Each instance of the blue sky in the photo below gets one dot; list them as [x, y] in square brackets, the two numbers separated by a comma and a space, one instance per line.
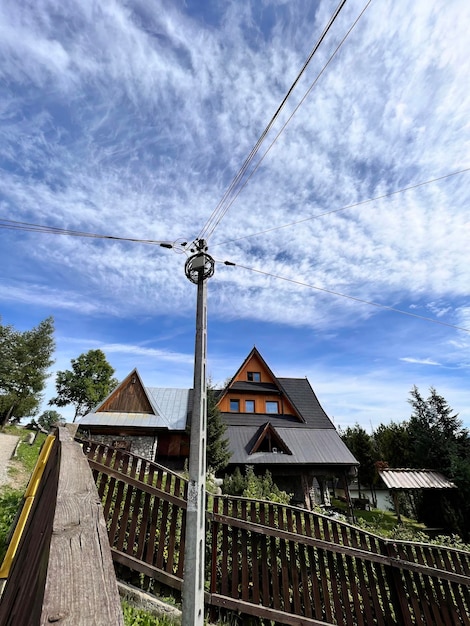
[132, 118]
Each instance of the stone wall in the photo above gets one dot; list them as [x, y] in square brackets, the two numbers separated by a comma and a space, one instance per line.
[145, 447]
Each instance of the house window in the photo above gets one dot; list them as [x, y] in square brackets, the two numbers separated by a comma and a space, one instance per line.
[249, 406]
[235, 406]
[254, 377]
[272, 406]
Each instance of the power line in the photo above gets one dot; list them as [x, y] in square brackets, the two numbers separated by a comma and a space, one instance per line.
[52, 230]
[224, 204]
[349, 206]
[240, 189]
[342, 295]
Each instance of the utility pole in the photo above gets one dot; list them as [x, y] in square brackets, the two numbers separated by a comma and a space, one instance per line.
[198, 268]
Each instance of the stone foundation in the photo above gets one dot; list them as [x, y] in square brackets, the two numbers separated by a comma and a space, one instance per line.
[145, 447]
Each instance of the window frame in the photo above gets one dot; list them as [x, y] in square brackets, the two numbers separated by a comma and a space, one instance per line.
[253, 377]
[273, 403]
[247, 410]
[237, 402]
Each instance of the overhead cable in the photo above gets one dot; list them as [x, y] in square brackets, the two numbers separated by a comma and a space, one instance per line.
[225, 202]
[342, 295]
[52, 230]
[348, 206]
[245, 182]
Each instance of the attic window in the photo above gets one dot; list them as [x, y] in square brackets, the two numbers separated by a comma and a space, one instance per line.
[235, 406]
[272, 406]
[254, 377]
[269, 441]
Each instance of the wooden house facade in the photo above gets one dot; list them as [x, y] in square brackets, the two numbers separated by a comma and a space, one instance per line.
[273, 423]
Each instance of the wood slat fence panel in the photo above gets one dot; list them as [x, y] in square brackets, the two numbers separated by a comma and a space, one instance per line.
[277, 562]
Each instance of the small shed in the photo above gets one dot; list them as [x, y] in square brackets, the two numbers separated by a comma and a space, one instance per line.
[397, 480]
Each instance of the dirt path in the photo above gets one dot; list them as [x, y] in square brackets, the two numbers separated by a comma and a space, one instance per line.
[7, 447]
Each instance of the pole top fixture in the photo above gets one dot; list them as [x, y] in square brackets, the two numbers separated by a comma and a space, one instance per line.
[199, 266]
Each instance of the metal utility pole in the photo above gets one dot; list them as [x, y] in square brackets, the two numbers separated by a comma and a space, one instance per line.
[198, 268]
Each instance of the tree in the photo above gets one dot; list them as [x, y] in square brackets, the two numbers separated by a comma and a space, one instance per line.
[88, 383]
[217, 452]
[392, 444]
[361, 445]
[48, 419]
[25, 359]
[438, 441]
[434, 430]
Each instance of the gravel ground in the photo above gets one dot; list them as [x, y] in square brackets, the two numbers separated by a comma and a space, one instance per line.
[7, 447]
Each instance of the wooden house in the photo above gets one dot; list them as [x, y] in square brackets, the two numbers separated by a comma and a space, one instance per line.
[277, 424]
[148, 421]
[273, 423]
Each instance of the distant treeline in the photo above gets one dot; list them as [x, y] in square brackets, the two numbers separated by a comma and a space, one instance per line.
[432, 438]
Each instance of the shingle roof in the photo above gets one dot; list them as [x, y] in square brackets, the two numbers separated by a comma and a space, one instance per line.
[253, 387]
[414, 479]
[301, 394]
[308, 446]
[259, 419]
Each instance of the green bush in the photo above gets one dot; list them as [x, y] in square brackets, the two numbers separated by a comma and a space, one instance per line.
[254, 487]
[10, 500]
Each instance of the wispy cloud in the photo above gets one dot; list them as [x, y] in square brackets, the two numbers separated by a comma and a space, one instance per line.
[409, 359]
[131, 119]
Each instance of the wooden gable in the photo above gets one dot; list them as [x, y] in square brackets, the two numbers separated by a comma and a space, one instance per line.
[129, 397]
[254, 364]
[270, 441]
[255, 383]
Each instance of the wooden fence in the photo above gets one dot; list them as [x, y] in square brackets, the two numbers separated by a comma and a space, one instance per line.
[278, 562]
[62, 570]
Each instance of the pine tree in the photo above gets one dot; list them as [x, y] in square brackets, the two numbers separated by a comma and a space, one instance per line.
[217, 451]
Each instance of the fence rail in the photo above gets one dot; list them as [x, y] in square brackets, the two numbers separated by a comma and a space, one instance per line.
[274, 561]
[62, 571]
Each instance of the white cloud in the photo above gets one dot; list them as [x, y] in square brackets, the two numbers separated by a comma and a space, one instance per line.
[133, 118]
[409, 359]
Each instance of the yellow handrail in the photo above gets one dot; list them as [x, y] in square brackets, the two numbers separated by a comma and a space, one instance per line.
[28, 500]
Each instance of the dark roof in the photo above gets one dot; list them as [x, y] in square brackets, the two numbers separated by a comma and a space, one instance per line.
[308, 446]
[259, 419]
[302, 396]
[252, 387]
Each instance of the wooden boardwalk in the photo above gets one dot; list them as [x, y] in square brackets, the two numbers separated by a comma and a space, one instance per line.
[277, 562]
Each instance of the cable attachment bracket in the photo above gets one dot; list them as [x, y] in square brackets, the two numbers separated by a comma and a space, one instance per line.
[199, 266]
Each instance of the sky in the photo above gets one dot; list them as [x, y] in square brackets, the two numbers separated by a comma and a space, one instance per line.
[132, 118]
